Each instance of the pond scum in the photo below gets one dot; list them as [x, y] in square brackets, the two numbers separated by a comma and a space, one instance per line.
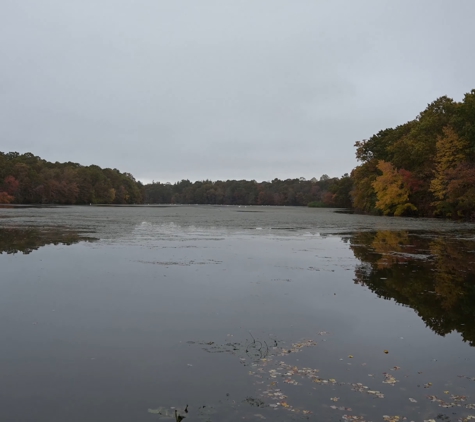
[267, 364]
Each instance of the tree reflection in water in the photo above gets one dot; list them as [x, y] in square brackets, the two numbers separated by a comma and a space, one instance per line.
[26, 240]
[434, 274]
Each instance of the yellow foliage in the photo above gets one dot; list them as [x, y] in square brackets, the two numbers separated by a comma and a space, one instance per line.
[391, 191]
[451, 150]
[363, 193]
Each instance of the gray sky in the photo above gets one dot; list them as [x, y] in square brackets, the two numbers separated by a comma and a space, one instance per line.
[243, 89]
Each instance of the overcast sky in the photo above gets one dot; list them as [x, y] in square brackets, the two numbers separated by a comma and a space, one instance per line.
[238, 89]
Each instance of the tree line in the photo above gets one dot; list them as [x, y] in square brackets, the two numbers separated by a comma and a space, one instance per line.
[28, 179]
[425, 167]
[323, 192]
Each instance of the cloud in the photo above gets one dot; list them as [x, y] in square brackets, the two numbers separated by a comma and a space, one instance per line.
[220, 90]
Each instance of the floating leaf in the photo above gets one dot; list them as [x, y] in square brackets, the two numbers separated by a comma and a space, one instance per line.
[391, 418]
[389, 379]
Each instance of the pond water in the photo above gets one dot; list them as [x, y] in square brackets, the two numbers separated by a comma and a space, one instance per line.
[131, 314]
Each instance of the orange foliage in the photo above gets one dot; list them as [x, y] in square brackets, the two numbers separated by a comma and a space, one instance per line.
[5, 198]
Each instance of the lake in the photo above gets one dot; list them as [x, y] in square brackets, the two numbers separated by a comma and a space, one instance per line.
[131, 314]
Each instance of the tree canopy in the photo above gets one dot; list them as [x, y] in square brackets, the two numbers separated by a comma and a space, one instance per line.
[424, 167]
[326, 191]
[26, 179]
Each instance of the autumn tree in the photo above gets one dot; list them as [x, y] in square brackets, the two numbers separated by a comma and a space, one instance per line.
[391, 191]
[438, 145]
[363, 194]
[451, 151]
[461, 191]
[30, 179]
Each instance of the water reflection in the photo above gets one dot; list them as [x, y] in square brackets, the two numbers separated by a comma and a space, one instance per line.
[434, 275]
[26, 240]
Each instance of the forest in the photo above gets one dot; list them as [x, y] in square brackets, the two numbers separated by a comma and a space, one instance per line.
[330, 192]
[28, 179]
[425, 167]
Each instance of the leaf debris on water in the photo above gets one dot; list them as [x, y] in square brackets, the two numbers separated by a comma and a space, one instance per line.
[389, 379]
[391, 418]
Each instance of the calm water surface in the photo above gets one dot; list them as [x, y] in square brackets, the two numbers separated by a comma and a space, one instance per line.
[127, 314]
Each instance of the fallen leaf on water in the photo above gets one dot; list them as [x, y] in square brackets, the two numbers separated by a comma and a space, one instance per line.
[335, 398]
[389, 379]
[412, 400]
[391, 418]
[350, 356]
